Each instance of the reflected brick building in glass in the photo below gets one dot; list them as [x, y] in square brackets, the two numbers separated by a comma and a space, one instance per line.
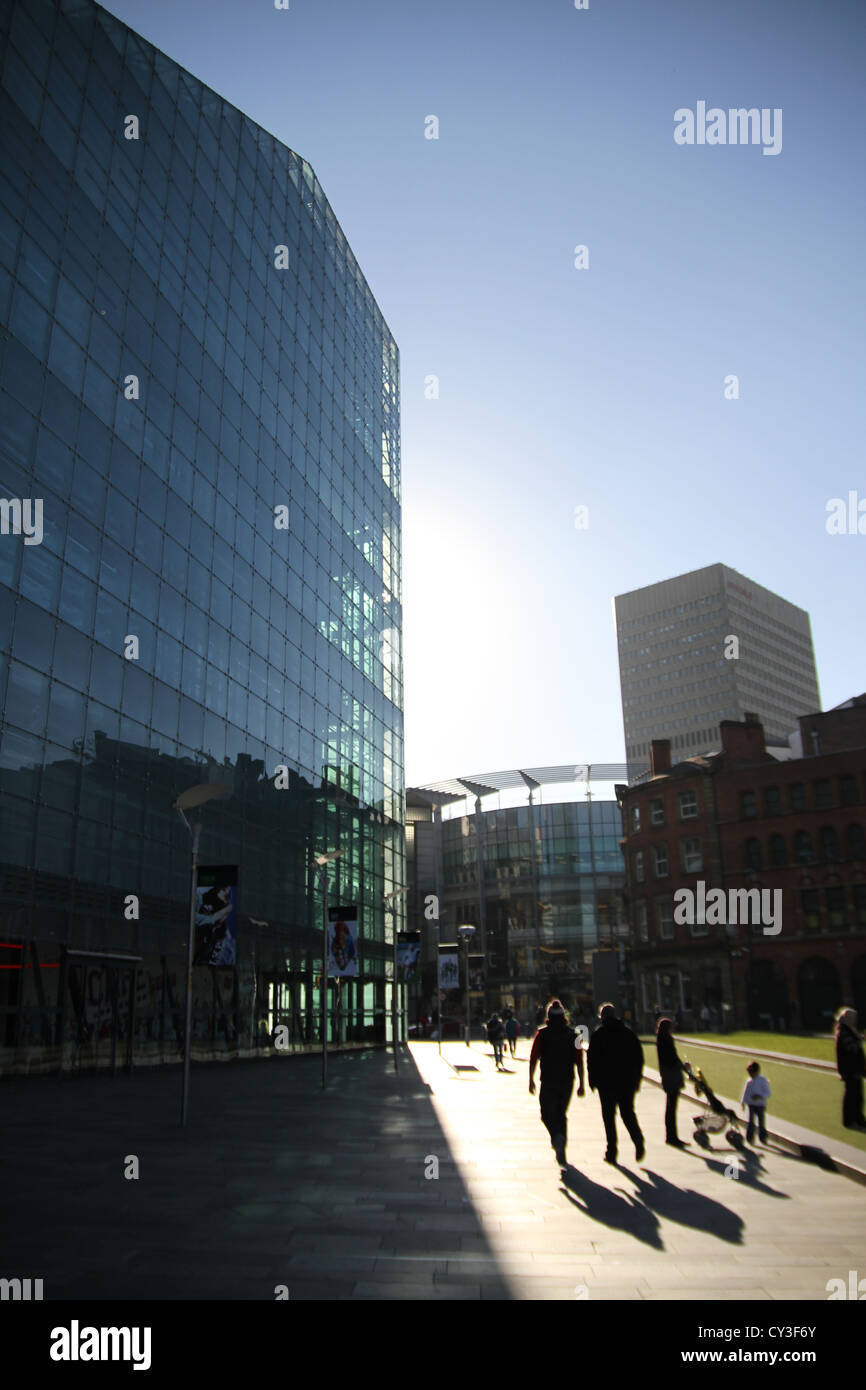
[201, 392]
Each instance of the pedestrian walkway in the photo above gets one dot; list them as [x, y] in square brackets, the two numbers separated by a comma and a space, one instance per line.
[431, 1184]
[274, 1182]
[680, 1225]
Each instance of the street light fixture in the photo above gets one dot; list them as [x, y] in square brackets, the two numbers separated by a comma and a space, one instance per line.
[389, 900]
[466, 933]
[320, 863]
[193, 796]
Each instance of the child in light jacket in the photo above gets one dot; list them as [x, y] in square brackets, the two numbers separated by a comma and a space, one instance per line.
[756, 1093]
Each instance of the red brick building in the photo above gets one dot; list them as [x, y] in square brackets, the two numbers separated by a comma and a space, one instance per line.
[783, 943]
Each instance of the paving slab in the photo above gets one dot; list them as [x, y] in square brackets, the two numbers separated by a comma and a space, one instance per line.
[275, 1181]
[702, 1224]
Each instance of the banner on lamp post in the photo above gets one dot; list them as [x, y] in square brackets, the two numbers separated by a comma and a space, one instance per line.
[449, 968]
[216, 911]
[343, 941]
[408, 953]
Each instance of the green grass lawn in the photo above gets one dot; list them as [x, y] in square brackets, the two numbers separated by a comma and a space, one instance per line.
[809, 1098]
[822, 1049]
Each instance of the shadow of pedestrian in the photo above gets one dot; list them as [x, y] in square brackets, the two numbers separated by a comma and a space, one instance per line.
[620, 1213]
[688, 1208]
[810, 1154]
[749, 1167]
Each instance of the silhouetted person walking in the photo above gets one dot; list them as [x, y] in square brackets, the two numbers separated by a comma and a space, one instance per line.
[556, 1047]
[496, 1035]
[671, 1073]
[851, 1066]
[615, 1068]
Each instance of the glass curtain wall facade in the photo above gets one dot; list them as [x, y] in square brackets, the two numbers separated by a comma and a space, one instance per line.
[553, 880]
[200, 401]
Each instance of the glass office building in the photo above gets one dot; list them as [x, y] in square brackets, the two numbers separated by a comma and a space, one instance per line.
[553, 879]
[200, 406]
[542, 884]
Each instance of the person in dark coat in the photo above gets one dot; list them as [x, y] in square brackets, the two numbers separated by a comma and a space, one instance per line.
[672, 1079]
[615, 1068]
[557, 1048]
[496, 1036]
[851, 1066]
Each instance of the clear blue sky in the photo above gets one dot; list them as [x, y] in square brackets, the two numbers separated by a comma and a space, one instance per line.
[601, 387]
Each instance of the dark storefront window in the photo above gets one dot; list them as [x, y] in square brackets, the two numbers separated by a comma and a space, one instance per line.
[778, 851]
[837, 911]
[803, 847]
[754, 856]
[856, 842]
[772, 801]
[848, 791]
[829, 844]
[823, 794]
[811, 909]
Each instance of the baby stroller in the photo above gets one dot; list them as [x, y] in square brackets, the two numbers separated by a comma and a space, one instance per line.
[716, 1118]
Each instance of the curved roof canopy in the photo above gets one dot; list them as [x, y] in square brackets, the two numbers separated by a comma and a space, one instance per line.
[486, 783]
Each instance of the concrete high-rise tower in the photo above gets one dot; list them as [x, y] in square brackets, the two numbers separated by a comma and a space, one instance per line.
[706, 646]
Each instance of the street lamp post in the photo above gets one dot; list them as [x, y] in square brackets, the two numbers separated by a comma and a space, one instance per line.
[467, 931]
[321, 862]
[193, 796]
[389, 901]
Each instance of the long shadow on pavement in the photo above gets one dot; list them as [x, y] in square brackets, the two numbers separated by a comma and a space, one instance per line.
[686, 1207]
[274, 1183]
[621, 1213]
[750, 1168]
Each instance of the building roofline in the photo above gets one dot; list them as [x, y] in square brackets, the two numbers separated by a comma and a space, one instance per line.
[487, 783]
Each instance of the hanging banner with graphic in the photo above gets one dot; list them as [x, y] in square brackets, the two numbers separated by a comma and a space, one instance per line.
[343, 941]
[449, 968]
[408, 953]
[216, 909]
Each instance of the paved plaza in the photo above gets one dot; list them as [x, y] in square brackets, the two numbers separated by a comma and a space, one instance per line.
[333, 1194]
[679, 1225]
